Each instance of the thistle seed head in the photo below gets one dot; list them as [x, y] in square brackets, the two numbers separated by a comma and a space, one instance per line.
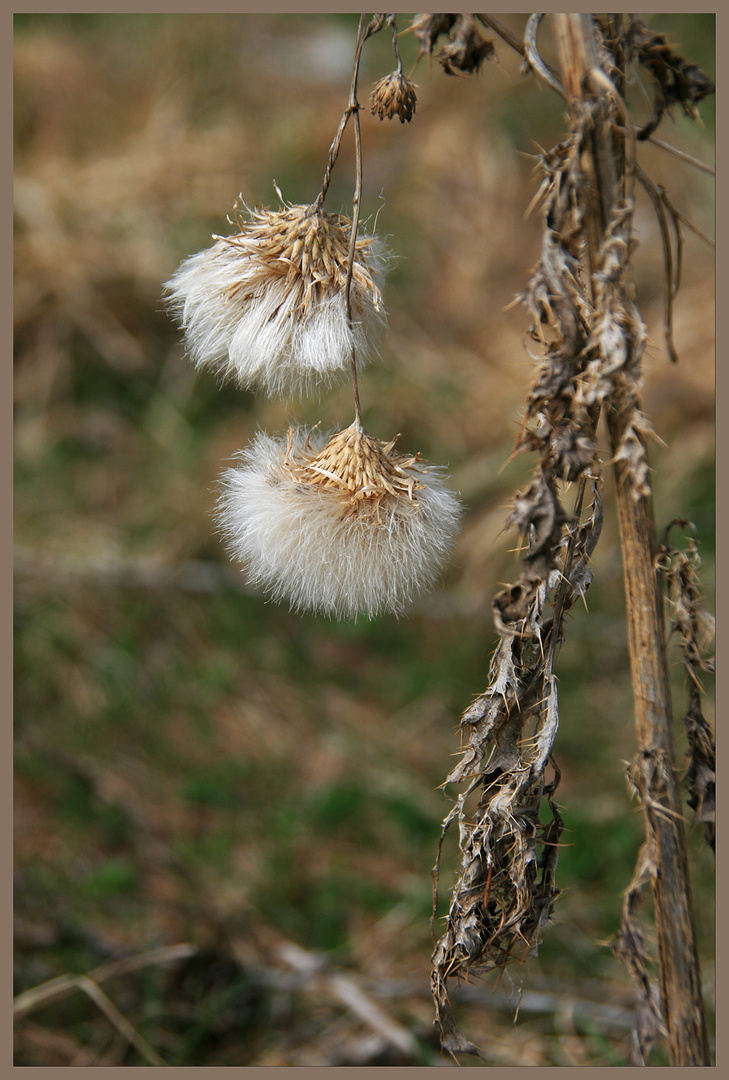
[394, 95]
[362, 470]
[304, 246]
[344, 526]
[266, 306]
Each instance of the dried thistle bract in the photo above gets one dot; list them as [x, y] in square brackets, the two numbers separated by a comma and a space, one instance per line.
[467, 48]
[394, 95]
[675, 80]
[344, 525]
[428, 27]
[266, 306]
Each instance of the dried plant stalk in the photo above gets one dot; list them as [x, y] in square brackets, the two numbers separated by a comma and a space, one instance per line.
[591, 338]
[680, 983]
[506, 888]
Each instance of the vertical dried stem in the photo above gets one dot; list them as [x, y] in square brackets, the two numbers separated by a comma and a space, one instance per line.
[356, 204]
[680, 983]
[363, 32]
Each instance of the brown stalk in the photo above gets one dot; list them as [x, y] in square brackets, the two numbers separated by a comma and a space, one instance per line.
[680, 984]
[364, 31]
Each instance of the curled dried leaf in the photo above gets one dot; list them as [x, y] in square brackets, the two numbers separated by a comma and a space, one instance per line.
[538, 514]
[700, 775]
[467, 49]
[428, 28]
[692, 625]
[675, 80]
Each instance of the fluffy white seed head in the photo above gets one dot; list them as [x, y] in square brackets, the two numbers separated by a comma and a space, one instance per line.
[266, 306]
[344, 526]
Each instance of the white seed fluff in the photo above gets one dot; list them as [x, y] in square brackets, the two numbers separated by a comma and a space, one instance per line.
[327, 548]
[266, 307]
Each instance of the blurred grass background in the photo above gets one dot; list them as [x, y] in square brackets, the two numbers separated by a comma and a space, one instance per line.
[194, 764]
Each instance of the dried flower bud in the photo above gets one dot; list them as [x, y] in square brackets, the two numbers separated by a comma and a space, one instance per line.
[344, 526]
[394, 95]
[267, 305]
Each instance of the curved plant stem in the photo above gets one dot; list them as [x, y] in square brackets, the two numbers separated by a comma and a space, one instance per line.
[531, 54]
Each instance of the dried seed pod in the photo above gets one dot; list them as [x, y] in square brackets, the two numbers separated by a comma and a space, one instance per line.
[394, 95]
[344, 526]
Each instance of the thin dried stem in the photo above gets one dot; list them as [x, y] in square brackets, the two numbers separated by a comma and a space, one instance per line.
[65, 984]
[681, 154]
[672, 273]
[48, 991]
[364, 31]
[356, 205]
[392, 22]
[511, 39]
